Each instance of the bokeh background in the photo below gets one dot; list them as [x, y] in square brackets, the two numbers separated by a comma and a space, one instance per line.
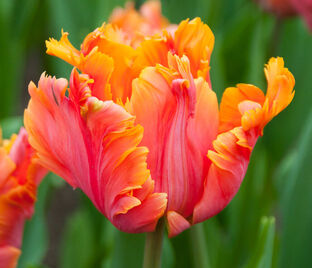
[269, 222]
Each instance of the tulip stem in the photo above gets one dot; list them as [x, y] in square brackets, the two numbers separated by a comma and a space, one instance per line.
[153, 246]
[199, 246]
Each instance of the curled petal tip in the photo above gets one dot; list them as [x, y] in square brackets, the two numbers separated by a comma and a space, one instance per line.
[247, 106]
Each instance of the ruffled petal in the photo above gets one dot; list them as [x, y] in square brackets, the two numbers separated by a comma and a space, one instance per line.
[195, 40]
[280, 88]
[63, 49]
[230, 159]
[54, 128]
[180, 120]
[93, 145]
[244, 113]
[247, 106]
[191, 38]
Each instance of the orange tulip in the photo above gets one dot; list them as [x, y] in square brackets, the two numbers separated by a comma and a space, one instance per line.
[19, 179]
[198, 155]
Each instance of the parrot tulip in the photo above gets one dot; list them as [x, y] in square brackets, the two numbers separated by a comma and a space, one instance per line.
[140, 130]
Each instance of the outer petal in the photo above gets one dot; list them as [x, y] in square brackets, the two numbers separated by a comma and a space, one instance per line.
[94, 147]
[244, 113]
[180, 119]
[230, 159]
[54, 128]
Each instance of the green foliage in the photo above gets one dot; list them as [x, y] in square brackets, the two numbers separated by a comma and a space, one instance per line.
[11, 125]
[278, 182]
[35, 240]
[295, 184]
[263, 251]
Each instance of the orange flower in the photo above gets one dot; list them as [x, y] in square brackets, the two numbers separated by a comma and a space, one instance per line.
[285, 8]
[106, 56]
[197, 156]
[19, 179]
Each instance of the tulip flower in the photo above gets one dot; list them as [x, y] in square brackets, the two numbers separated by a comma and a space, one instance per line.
[197, 156]
[287, 8]
[193, 155]
[19, 179]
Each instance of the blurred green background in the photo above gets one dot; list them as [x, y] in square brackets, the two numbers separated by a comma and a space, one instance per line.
[269, 222]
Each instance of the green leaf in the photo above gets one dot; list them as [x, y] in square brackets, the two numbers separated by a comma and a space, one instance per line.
[128, 250]
[78, 244]
[35, 240]
[295, 187]
[168, 256]
[263, 250]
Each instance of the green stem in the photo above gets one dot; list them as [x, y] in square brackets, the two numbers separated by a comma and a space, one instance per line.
[153, 246]
[199, 247]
